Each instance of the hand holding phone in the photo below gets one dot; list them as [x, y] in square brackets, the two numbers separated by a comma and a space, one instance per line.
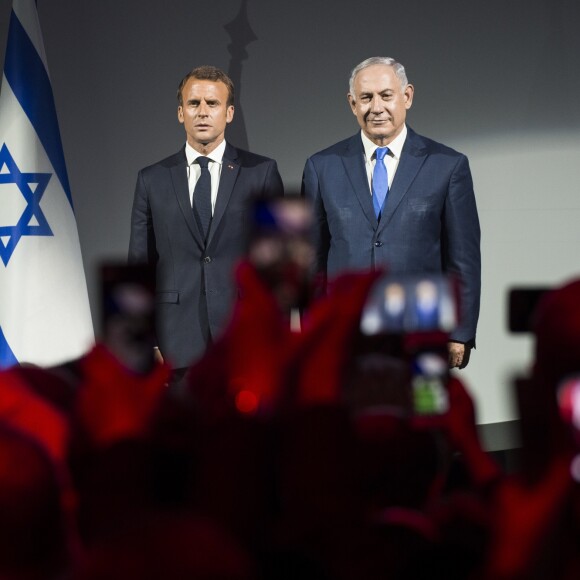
[127, 314]
[280, 247]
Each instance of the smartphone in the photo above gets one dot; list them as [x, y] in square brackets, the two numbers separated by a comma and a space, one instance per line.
[128, 314]
[522, 303]
[280, 247]
[429, 365]
[411, 303]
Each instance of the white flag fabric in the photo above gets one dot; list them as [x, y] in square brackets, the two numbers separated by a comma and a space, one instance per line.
[44, 308]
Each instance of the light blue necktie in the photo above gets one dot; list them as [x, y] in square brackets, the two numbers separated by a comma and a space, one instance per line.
[380, 187]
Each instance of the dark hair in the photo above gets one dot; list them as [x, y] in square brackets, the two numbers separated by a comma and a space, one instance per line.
[207, 73]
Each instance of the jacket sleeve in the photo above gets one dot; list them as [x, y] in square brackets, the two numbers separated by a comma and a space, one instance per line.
[320, 235]
[142, 248]
[273, 186]
[461, 248]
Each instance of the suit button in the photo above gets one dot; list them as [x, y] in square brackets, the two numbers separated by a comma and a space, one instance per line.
[207, 259]
[378, 244]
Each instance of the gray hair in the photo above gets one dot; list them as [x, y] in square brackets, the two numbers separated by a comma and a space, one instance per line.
[385, 60]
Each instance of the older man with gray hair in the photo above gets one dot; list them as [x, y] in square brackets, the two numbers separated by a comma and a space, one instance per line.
[390, 198]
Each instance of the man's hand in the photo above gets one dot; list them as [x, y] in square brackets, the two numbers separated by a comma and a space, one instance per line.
[457, 355]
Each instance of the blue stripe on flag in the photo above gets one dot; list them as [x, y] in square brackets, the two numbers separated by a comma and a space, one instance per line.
[7, 358]
[30, 83]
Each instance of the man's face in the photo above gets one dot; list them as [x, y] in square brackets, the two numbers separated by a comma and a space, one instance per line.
[380, 103]
[205, 113]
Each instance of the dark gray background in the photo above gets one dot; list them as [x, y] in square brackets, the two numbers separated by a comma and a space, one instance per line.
[498, 80]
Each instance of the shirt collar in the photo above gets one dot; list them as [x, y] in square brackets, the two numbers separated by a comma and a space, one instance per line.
[216, 155]
[395, 146]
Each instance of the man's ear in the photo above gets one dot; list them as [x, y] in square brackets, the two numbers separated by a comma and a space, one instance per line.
[230, 114]
[180, 114]
[408, 95]
[351, 102]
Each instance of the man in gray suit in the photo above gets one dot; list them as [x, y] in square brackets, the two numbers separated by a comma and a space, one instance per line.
[388, 197]
[189, 218]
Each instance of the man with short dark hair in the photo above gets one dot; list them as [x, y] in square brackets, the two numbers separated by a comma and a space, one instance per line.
[389, 198]
[188, 218]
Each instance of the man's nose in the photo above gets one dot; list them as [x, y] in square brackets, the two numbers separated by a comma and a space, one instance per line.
[376, 104]
[203, 109]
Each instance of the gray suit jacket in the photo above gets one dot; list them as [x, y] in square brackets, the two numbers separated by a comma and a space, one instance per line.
[429, 222]
[189, 273]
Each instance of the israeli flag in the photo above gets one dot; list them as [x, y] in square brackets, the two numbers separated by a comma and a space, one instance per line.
[44, 308]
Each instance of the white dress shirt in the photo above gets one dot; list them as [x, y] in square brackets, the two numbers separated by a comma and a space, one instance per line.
[391, 159]
[215, 169]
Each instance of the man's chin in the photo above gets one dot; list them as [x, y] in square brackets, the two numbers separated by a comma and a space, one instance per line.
[379, 136]
[204, 140]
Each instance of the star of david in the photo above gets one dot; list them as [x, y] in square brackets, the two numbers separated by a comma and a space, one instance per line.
[32, 222]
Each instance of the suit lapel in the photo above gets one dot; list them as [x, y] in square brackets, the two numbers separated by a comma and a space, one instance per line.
[181, 188]
[354, 165]
[413, 156]
[229, 174]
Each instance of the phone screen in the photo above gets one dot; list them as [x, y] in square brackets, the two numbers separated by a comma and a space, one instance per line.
[127, 314]
[429, 377]
[280, 247]
[411, 303]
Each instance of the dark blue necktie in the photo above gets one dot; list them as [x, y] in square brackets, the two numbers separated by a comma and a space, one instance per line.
[380, 187]
[202, 195]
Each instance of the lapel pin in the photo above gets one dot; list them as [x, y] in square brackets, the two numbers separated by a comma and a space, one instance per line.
[230, 166]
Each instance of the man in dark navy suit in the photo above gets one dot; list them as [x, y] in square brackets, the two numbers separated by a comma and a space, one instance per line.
[189, 218]
[388, 197]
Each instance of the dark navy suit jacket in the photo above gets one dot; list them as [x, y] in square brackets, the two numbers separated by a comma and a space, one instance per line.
[189, 272]
[429, 222]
